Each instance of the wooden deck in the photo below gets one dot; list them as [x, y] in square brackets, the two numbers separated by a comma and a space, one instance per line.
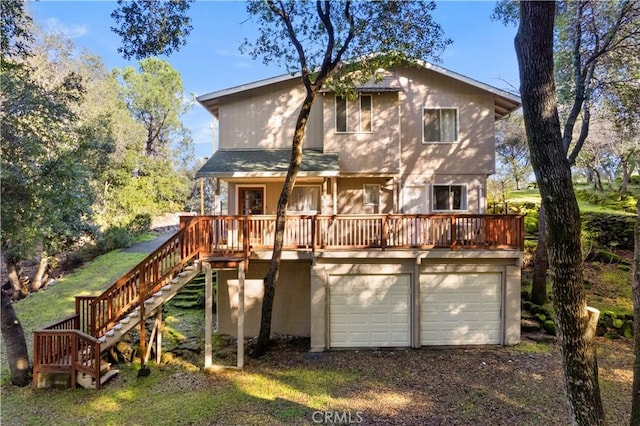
[233, 236]
[75, 344]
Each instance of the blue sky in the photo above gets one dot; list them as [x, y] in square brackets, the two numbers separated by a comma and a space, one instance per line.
[482, 49]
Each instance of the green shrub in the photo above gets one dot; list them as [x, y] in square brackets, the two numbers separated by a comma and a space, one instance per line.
[618, 323]
[607, 318]
[116, 237]
[627, 329]
[610, 230]
[605, 256]
[140, 224]
[549, 327]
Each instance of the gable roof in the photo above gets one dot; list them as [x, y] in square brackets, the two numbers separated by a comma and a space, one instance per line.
[504, 102]
[268, 163]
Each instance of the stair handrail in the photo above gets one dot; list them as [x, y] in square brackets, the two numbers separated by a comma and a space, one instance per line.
[60, 348]
[146, 278]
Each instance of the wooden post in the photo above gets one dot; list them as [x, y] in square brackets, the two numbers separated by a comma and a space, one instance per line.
[201, 196]
[208, 314]
[144, 371]
[217, 207]
[241, 266]
[159, 336]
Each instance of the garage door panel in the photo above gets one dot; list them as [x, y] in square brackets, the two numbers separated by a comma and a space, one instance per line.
[460, 309]
[369, 310]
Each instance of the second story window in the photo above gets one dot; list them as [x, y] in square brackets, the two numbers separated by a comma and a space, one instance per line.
[440, 125]
[354, 115]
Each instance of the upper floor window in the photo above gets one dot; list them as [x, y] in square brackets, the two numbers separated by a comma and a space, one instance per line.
[449, 197]
[371, 196]
[440, 124]
[304, 199]
[354, 115]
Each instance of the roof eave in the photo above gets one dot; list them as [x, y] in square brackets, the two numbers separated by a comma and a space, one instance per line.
[230, 175]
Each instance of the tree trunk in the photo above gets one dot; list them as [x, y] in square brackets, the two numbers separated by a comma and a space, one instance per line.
[626, 177]
[271, 278]
[14, 344]
[42, 272]
[534, 49]
[541, 263]
[13, 271]
[635, 392]
[597, 181]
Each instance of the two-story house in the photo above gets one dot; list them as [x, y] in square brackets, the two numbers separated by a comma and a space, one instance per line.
[388, 243]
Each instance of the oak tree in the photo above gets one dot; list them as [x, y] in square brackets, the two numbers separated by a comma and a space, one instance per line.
[575, 323]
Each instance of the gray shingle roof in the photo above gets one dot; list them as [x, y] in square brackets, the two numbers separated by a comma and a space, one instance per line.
[267, 162]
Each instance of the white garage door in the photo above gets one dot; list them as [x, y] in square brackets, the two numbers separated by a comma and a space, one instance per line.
[460, 309]
[369, 311]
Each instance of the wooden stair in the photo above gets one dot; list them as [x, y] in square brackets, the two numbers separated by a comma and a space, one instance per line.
[192, 295]
[77, 344]
[89, 382]
[152, 304]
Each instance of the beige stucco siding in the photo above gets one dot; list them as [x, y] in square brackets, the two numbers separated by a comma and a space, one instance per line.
[351, 192]
[365, 152]
[265, 118]
[473, 153]
[291, 312]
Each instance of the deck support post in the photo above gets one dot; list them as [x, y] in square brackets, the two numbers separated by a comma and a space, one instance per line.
[156, 334]
[201, 196]
[241, 273]
[208, 314]
[159, 336]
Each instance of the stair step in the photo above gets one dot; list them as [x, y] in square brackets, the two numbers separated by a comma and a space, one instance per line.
[117, 326]
[125, 320]
[110, 333]
[166, 287]
[108, 376]
[149, 301]
[134, 314]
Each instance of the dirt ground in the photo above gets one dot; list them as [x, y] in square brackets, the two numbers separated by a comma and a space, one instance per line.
[520, 385]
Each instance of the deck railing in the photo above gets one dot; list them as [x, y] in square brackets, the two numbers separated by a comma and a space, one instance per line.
[62, 348]
[337, 232]
[147, 277]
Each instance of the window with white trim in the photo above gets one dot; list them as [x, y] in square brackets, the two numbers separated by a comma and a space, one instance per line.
[304, 199]
[371, 194]
[440, 124]
[354, 115]
[449, 197]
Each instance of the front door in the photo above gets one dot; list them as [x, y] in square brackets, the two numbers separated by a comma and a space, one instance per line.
[251, 200]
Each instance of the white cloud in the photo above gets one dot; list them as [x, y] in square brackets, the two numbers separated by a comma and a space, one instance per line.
[72, 31]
